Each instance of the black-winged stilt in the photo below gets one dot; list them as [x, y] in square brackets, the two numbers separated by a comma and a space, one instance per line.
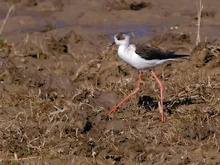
[142, 58]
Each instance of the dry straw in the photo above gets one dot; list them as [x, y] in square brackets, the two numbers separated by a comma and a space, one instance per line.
[3, 24]
[199, 14]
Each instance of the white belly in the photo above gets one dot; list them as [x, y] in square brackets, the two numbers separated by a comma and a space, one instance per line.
[137, 62]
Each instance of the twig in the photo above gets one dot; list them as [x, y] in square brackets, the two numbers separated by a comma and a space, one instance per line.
[199, 14]
[3, 24]
[58, 110]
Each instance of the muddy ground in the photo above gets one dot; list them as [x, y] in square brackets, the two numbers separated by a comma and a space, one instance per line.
[57, 85]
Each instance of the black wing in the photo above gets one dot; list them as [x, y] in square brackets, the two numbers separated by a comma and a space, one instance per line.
[149, 53]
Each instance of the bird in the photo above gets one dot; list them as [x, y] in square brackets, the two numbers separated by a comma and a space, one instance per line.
[142, 58]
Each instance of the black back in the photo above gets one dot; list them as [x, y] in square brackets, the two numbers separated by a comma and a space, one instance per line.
[149, 53]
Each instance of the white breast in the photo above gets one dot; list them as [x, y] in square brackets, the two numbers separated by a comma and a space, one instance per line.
[128, 55]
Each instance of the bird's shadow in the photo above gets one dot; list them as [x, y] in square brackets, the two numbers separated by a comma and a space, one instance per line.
[148, 103]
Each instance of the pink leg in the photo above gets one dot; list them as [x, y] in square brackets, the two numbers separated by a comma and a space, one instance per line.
[161, 94]
[135, 91]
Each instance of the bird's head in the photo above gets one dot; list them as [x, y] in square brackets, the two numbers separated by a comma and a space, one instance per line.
[122, 39]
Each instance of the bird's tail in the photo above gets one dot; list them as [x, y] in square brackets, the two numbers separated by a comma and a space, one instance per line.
[183, 56]
[173, 55]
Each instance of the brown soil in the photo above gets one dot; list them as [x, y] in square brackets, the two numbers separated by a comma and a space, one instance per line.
[57, 85]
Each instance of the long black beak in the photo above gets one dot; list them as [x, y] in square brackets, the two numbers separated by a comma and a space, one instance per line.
[113, 43]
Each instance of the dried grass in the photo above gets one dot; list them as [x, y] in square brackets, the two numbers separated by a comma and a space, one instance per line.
[199, 15]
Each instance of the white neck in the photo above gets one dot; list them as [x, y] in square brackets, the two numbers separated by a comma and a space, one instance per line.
[122, 48]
